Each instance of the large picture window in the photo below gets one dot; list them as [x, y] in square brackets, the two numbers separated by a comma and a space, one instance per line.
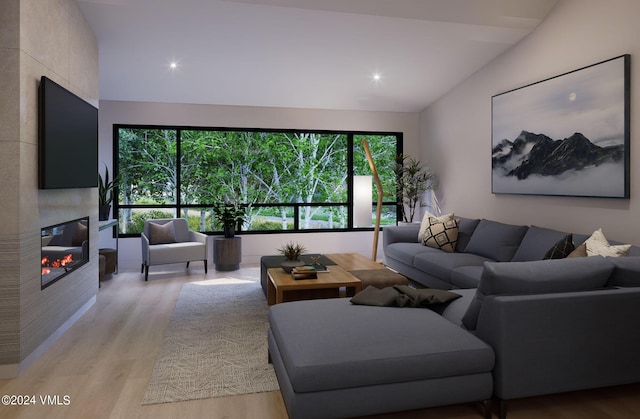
[287, 180]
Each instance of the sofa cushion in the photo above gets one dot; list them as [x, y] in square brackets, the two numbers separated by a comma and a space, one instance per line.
[161, 233]
[466, 276]
[536, 242]
[371, 346]
[466, 226]
[406, 252]
[441, 234]
[535, 277]
[177, 252]
[496, 240]
[626, 272]
[442, 264]
[456, 308]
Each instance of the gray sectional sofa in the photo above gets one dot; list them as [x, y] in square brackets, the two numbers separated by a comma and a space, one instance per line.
[531, 327]
[479, 241]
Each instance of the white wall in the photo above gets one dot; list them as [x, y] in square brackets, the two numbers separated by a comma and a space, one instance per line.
[254, 246]
[457, 128]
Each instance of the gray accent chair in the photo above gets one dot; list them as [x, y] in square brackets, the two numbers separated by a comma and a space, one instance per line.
[169, 240]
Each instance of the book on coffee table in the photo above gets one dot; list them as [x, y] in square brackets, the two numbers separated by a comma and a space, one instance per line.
[317, 267]
[301, 272]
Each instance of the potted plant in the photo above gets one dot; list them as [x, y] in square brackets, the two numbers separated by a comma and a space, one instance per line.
[105, 194]
[413, 180]
[230, 216]
[291, 251]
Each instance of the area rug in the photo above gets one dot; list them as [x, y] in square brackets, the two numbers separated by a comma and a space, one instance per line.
[215, 345]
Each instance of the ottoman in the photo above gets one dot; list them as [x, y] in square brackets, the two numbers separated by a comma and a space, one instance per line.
[110, 260]
[102, 261]
[334, 359]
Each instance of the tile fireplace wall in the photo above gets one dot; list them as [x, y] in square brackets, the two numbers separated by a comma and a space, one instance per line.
[51, 38]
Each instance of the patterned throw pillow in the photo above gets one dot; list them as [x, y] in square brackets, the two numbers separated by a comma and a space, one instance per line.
[425, 223]
[441, 234]
[598, 244]
[562, 248]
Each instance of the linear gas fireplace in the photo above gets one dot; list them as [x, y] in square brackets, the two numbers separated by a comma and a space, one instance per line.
[65, 247]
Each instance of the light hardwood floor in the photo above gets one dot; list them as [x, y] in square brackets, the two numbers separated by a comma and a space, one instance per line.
[103, 364]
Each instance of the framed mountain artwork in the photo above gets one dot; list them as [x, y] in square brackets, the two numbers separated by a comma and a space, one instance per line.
[567, 135]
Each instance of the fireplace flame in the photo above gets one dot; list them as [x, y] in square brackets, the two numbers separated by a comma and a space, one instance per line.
[58, 263]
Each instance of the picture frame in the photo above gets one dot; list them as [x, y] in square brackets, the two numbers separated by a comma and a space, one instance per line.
[567, 135]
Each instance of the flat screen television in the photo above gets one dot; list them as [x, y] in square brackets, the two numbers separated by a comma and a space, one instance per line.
[67, 139]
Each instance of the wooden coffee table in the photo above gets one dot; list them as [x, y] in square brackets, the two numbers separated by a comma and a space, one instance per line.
[282, 287]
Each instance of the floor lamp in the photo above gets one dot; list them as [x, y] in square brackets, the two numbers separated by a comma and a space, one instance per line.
[374, 172]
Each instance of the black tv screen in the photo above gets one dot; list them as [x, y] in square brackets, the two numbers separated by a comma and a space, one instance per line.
[68, 139]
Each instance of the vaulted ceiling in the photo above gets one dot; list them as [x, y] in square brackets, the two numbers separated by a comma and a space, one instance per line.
[301, 53]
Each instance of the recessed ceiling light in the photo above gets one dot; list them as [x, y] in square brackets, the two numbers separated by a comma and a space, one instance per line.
[173, 65]
[376, 76]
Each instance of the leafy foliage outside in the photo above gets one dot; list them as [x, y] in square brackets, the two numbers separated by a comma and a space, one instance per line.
[263, 171]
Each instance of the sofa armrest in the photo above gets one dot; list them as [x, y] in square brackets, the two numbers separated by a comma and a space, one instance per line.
[551, 343]
[196, 236]
[145, 248]
[400, 234]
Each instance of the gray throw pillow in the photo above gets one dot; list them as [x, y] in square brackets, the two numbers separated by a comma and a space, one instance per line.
[495, 240]
[161, 233]
[537, 277]
[466, 226]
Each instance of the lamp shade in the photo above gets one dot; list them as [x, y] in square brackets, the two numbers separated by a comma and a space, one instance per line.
[362, 199]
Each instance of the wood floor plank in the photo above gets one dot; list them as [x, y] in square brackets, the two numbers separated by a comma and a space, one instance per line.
[104, 362]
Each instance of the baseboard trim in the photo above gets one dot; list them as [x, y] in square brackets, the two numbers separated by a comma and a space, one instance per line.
[14, 370]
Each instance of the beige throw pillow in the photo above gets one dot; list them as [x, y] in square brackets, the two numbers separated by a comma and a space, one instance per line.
[441, 235]
[425, 223]
[598, 245]
[579, 252]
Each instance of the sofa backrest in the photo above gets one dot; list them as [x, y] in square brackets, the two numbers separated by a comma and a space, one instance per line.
[496, 240]
[538, 277]
[74, 234]
[536, 243]
[626, 272]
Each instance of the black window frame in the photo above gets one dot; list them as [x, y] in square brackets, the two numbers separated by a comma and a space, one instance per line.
[178, 206]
